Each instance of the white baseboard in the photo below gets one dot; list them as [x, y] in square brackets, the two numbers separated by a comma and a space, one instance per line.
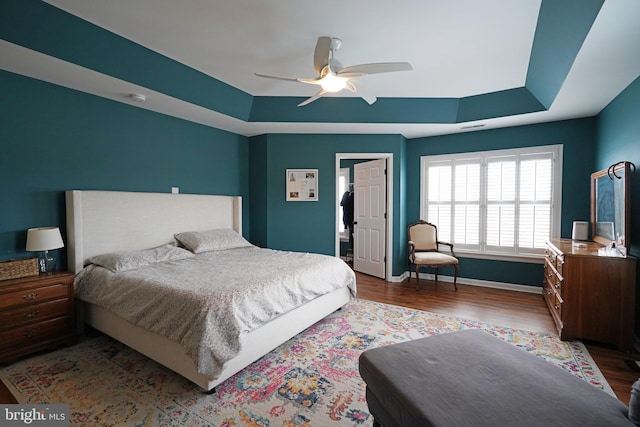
[400, 278]
[473, 282]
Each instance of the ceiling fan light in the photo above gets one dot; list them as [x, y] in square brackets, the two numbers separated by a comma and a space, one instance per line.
[333, 83]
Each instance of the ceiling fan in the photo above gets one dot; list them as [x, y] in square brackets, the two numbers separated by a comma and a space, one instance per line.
[333, 77]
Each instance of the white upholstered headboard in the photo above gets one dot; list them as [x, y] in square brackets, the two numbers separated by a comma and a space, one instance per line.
[99, 222]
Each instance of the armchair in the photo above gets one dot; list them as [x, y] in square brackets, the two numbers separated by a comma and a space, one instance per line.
[424, 251]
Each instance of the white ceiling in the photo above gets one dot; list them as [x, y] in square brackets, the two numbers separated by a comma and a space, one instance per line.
[457, 48]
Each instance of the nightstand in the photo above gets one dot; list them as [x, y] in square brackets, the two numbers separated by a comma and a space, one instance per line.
[36, 313]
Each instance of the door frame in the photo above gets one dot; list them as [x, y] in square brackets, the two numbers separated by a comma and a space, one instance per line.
[389, 206]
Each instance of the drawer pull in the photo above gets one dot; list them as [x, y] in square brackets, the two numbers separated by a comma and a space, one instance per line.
[31, 296]
[557, 285]
[32, 333]
[557, 306]
[32, 314]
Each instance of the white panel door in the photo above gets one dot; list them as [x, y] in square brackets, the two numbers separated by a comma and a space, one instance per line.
[370, 188]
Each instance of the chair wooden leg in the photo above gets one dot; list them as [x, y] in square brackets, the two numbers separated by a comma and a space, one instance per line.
[417, 276]
[455, 278]
[436, 274]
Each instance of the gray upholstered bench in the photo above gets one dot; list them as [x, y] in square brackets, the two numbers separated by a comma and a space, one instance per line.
[472, 378]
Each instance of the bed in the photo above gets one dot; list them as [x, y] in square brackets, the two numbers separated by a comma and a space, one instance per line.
[106, 222]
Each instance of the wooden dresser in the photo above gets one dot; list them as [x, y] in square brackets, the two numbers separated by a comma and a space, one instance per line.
[36, 313]
[590, 296]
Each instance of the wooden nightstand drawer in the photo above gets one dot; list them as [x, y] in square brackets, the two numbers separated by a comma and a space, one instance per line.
[33, 296]
[35, 332]
[33, 313]
[36, 313]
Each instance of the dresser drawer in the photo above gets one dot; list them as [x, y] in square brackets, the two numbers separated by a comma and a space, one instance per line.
[33, 296]
[555, 259]
[559, 264]
[548, 294]
[36, 332]
[550, 256]
[556, 284]
[548, 270]
[33, 313]
[554, 302]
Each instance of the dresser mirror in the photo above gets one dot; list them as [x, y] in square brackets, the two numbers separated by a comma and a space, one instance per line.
[610, 205]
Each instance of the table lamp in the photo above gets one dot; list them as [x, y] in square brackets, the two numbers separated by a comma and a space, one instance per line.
[44, 239]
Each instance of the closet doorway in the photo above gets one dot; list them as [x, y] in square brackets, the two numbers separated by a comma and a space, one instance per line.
[373, 216]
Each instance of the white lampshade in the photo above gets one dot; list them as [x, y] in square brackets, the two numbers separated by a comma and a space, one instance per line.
[333, 83]
[44, 239]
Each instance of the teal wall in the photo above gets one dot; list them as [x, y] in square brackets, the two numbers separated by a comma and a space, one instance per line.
[310, 226]
[54, 139]
[578, 138]
[619, 140]
[259, 201]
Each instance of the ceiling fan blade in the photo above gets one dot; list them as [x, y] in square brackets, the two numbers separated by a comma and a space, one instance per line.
[289, 79]
[377, 67]
[313, 98]
[351, 75]
[363, 93]
[350, 86]
[310, 81]
[321, 53]
[369, 98]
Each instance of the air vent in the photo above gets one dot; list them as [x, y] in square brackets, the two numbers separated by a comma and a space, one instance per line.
[138, 97]
[480, 125]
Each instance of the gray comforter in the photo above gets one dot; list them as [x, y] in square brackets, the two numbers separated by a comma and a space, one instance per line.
[206, 302]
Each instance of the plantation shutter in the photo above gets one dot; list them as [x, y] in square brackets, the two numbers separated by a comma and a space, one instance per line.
[467, 198]
[501, 202]
[454, 194]
[439, 198]
[536, 185]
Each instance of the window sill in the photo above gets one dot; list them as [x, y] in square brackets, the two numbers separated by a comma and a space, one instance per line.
[527, 258]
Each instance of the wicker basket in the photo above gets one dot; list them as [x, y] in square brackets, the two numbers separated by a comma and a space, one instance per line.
[17, 268]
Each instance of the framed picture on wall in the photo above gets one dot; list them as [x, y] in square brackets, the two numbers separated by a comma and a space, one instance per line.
[302, 185]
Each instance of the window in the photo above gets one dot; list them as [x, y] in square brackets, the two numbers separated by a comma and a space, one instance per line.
[504, 202]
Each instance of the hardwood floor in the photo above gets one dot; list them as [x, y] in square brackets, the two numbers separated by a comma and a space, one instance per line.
[505, 308]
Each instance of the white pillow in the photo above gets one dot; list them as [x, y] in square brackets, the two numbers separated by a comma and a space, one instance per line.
[211, 240]
[130, 260]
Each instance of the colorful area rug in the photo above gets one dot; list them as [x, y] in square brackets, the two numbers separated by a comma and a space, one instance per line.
[311, 380]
